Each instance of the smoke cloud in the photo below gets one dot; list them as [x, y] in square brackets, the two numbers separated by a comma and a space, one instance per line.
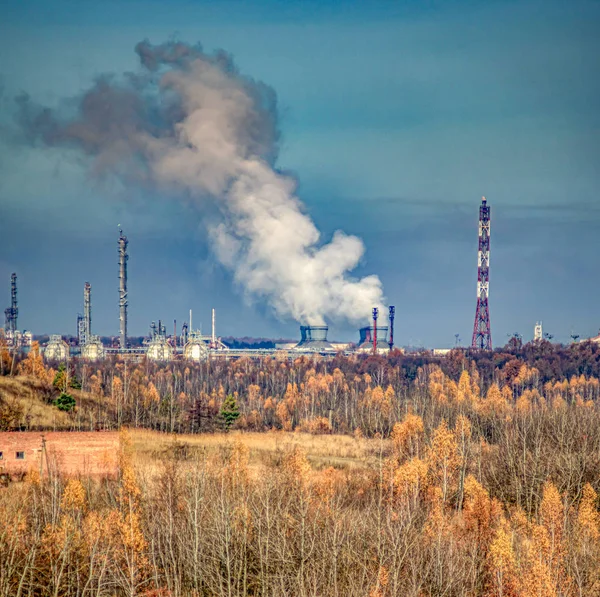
[189, 124]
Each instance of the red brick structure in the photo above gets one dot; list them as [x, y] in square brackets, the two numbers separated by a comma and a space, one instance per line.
[70, 453]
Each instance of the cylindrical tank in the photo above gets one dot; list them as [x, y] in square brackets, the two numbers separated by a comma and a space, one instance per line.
[57, 349]
[313, 333]
[159, 349]
[93, 349]
[366, 334]
[195, 350]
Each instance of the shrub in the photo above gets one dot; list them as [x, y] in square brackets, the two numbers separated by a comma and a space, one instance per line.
[65, 402]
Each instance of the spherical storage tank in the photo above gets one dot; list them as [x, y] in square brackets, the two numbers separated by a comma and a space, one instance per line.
[159, 349]
[93, 349]
[195, 350]
[57, 349]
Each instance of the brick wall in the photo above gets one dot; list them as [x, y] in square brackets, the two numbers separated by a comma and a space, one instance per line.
[72, 453]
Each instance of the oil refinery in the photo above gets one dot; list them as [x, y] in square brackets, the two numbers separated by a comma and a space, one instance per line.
[191, 344]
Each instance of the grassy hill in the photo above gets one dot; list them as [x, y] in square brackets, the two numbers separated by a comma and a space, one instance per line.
[26, 403]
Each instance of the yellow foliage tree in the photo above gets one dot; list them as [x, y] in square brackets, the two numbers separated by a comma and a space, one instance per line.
[407, 436]
[132, 561]
[443, 459]
[465, 392]
[33, 365]
[502, 563]
[588, 518]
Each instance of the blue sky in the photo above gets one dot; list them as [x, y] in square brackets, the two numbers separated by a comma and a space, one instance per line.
[396, 117]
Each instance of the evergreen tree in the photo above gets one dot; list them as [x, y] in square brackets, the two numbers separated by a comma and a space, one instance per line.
[229, 412]
[65, 402]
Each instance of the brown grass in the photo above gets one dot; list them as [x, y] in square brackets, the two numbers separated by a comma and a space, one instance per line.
[339, 451]
[30, 396]
[34, 399]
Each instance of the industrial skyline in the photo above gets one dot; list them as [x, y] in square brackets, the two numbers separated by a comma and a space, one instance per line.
[312, 337]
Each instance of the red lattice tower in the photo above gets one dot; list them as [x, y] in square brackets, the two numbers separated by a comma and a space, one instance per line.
[482, 333]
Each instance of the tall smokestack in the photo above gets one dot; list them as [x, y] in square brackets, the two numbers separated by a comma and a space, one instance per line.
[213, 328]
[87, 311]
[122, 290]
[375, 314]
[391, 317]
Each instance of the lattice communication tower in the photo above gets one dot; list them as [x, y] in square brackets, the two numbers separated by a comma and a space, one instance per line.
[482, 333]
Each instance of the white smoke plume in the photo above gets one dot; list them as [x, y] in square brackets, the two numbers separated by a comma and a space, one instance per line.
[190, 124]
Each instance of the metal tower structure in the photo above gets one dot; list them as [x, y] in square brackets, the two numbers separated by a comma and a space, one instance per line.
[87, 310]
[482, 334]
[391, 317]
[122, 290]
[80, 329]
[84, 323]
[12, 312]
[375, 314]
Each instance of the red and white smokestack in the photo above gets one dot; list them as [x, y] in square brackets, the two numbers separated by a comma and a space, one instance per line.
[391, 316]
[375, 314]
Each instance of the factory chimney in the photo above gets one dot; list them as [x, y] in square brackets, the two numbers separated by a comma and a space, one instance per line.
[122, 290]
[391, 317]
[375, 314]
[213, 329]
[12, 312]
[87, 312]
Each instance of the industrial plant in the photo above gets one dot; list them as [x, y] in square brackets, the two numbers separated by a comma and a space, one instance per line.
[191, 344]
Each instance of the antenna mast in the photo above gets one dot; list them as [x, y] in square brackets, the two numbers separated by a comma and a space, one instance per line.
[482, 334]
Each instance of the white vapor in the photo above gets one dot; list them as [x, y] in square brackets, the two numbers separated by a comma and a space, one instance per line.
[190, 122]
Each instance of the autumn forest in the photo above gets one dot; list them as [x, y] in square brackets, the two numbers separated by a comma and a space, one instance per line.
[470, 474]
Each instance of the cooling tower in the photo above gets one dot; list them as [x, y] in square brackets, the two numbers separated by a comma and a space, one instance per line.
[314, 338]
[365, 342]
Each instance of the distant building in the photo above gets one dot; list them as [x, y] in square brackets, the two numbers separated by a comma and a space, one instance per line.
[440, 352]
[71, 453]
[341, 345]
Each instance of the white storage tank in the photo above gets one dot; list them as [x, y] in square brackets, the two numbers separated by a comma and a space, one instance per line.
[196, 349]
[57, 349]
[159, 349]
[93, 349]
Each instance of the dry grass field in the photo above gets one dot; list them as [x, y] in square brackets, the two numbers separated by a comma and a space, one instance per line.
[322, 451]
